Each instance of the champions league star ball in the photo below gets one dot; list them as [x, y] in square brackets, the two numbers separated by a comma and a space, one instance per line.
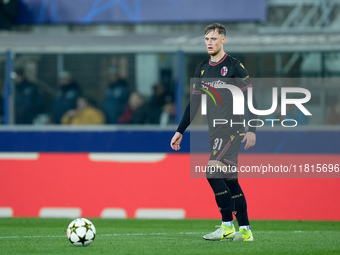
[81, 232]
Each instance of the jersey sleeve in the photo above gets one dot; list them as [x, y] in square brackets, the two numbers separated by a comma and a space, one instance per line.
[242, 77]
[196, 86]
[194, 103]
[243, 81]
[189, 113]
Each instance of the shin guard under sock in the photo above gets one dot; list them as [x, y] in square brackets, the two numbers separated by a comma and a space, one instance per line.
[223, 198]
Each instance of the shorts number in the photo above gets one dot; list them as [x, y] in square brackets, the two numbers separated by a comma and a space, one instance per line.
[217, 143]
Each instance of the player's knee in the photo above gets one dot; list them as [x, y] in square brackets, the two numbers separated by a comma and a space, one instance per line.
[233, 185]
[218, 186]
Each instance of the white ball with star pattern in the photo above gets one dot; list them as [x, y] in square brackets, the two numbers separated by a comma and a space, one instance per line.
[81, 232]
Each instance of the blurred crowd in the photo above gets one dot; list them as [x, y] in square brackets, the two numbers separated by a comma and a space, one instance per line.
[119, 105]
[71, 106]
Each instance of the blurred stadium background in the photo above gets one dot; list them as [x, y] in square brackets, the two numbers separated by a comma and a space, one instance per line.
[120, 170]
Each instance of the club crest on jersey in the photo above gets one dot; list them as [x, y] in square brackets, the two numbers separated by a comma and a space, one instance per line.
[224, 71]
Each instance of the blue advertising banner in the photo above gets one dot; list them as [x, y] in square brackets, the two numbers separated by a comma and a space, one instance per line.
[158, 141]
[139, 11]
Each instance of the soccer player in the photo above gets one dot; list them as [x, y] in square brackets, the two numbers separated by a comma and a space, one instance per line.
[225, 140]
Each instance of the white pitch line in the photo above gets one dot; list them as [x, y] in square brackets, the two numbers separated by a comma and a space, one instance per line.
[114, 234]
[164, 233]
[14, 237]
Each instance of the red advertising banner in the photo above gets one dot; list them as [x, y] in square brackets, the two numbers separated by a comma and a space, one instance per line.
[153, 185]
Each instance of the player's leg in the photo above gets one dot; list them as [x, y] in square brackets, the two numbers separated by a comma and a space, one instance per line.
[230, 159]
[239, 204]
[222, 197]
[216, 180]
[223, 201]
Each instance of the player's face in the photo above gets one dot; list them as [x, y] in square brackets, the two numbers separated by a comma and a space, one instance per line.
[214, 42]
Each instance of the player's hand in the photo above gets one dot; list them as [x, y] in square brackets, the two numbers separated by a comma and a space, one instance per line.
[176, 141]
[250, 137]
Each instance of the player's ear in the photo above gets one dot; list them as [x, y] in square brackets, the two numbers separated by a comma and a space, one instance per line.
[224, 39]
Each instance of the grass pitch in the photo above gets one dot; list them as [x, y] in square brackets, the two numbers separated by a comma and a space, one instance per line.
[48, 236]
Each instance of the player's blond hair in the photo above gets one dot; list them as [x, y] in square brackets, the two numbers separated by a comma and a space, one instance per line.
[212, 27]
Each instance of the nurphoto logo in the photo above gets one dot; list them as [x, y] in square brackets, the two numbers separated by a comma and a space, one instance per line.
[238, 104]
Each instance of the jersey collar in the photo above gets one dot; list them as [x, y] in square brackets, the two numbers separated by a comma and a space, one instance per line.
[219, 62]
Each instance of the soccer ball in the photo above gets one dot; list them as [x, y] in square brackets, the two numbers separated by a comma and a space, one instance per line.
[81, 232]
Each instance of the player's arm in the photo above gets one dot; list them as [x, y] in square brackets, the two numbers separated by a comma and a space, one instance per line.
[250, 137]
[244, 83]
[189, 113]
[188, 116]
